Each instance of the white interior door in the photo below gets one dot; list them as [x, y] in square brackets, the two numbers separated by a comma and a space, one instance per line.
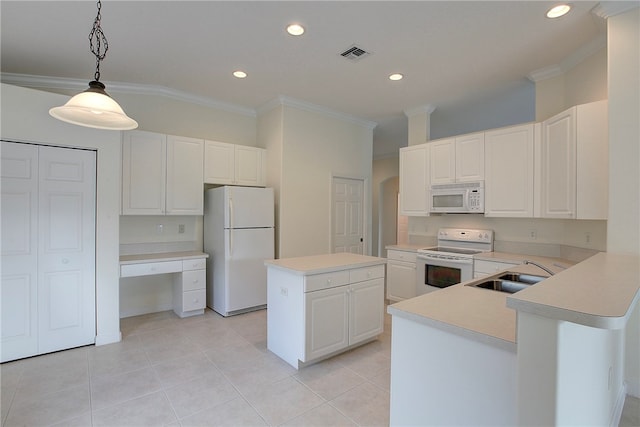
[66, 249]
[348, 215]
[19, 284]
[48, 249]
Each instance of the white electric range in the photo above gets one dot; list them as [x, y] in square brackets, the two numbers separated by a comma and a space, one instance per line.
[451, 262]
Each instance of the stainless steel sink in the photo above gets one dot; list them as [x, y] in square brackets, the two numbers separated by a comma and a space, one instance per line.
[501, 285]
[522, 278]
[508, 282]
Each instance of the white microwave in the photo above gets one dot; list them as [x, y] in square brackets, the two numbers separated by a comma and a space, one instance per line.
[459, 197]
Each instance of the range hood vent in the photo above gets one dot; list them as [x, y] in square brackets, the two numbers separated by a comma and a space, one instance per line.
[355, 53]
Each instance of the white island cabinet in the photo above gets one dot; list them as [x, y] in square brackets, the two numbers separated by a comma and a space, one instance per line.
[318, 306]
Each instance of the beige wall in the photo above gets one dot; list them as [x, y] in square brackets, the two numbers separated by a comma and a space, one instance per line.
[25, 118]
[623, 232]
[383, 170]
[312, 148]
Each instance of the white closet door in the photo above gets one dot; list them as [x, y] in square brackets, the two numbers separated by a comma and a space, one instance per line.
[19, 227]
[66, 267]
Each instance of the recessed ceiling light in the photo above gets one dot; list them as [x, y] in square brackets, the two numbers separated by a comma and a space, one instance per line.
[396, 76]
[295, 29]
[240, 74]
[558, 11]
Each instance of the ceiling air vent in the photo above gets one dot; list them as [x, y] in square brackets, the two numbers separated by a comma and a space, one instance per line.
[355, 53]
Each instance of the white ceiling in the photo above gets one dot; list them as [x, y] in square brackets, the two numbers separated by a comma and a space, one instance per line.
[447, 50]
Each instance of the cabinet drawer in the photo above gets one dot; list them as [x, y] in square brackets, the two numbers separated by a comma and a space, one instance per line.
[366, 273]
[326, 280]
[149, 268]
[194, 264]
[490, 267]
[401, 256]
[193, 300]
[194, 279]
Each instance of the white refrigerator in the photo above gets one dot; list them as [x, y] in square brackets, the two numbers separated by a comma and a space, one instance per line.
[239, 237]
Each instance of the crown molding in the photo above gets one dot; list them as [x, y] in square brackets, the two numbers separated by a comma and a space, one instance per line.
[607, 9]
[570, 61]
[286, 101]
[427, 108]
[46, 82]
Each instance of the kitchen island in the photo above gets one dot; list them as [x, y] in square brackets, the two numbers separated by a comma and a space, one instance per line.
[466, 355]
[319, 306]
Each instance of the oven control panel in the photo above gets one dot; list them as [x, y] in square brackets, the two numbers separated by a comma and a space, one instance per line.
[465, 235]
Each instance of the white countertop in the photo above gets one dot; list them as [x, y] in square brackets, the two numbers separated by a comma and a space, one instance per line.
[316, 264]
[406, 247]
[159, 257]
[599, 292]
[507, 257]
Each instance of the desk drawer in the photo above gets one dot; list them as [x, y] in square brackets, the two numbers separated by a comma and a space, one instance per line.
[366, 273]
[316, 282]
[194, 279]
[193, 300]
[149, 268]
[194, 264]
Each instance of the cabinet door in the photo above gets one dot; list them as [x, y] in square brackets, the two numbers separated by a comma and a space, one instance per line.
[144, 157]
[249, 166]
[401, 280]
[442, 161]
[469, 155]
[366, 310]
[219, 163]
[185, 192]
[414, 181]
[558, 192]
[326, 322]
[509, 173]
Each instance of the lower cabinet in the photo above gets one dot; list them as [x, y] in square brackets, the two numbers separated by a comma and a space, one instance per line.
[401, 275]
[482, 268]
[315, 316]
[189, 290]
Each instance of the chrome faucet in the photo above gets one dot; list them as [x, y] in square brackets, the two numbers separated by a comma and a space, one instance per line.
[539, 266]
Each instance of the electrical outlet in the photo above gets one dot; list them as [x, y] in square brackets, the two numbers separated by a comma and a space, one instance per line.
[159, 228]
[533, 234]
[180, 228]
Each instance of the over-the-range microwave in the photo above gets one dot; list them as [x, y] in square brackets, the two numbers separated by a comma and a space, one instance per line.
[459, 197]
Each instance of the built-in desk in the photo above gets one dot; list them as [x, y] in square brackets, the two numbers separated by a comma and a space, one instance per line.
[189, 272]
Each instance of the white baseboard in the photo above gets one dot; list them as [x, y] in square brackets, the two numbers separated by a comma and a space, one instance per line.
[633, 387]
[102, 339]
[617, 411]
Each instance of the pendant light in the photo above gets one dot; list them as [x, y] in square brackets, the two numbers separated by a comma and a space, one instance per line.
[94, 107]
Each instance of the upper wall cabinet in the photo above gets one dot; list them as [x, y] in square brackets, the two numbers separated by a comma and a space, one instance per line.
[230, 164]
[574, 163]
[161, 175]
[414, 180]
[509, 171]
[459, 159]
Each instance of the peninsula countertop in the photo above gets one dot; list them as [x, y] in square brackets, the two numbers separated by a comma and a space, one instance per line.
[326, 263]
[600, 292]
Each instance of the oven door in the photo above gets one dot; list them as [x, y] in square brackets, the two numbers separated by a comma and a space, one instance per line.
[435, 273]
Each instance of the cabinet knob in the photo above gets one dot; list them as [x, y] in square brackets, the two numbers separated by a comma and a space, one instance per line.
[329, 281]
[195, 281]
[65, 260]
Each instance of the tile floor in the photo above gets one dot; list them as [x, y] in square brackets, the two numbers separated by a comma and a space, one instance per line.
[202, 371]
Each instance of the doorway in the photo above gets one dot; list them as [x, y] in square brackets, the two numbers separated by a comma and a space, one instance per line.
[347, 215]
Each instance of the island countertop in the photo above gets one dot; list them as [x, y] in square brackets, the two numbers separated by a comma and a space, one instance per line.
[599, 292]
[326, 263]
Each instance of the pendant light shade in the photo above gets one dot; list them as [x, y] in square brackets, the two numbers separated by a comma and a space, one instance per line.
[94, 108]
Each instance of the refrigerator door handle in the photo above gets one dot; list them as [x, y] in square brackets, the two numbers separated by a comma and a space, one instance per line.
[230, 227]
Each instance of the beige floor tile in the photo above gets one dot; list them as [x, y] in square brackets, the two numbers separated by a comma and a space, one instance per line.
[216, 337]
[323, 416]
[6, 398]
[49, 408]
[631, 412]
[235, 413]
[43, 379]
[366, 405]
[147, 322]
[329, 378]
[368, 365]
[201, 393]
[110, 390]
[183, 369]
[262, 371]
[10, 373]
[230, 357]
[83, 420]
[162, 351]
[383, 380]
[117, 362]
[282, 401]
[150, 410]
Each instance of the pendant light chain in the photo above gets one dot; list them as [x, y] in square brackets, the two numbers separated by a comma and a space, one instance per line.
[98, 40]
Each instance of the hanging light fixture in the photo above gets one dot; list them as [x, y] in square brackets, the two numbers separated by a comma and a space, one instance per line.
[94, 107]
